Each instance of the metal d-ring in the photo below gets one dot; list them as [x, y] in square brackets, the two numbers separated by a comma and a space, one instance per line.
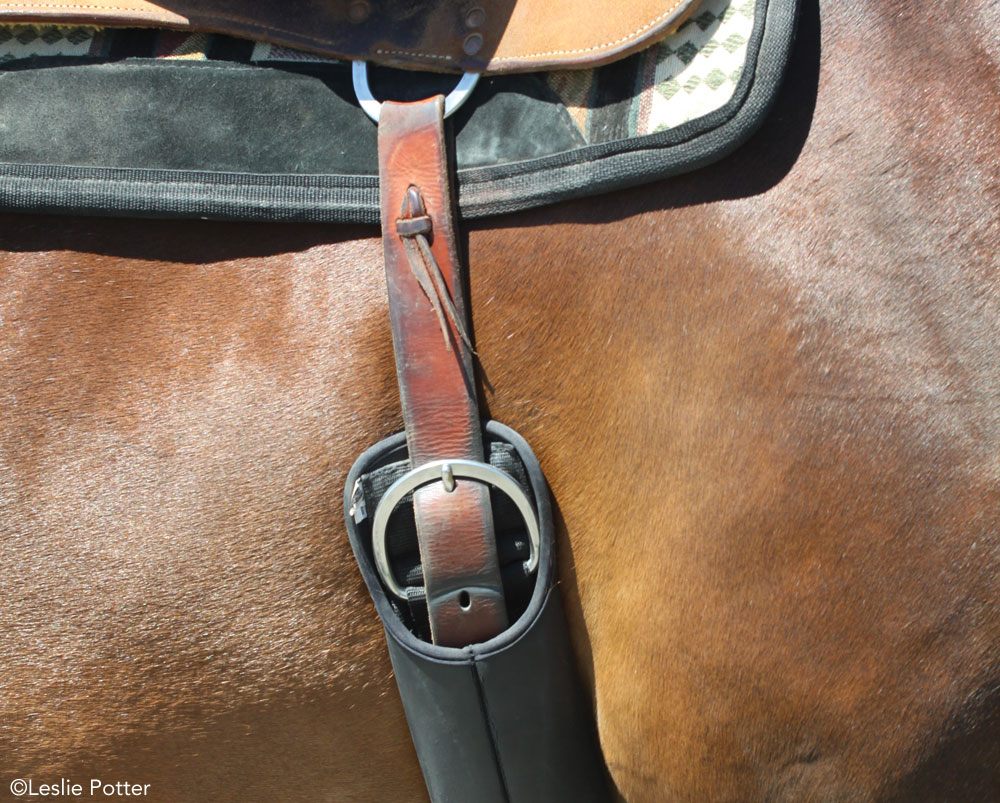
[373, 107]
[446, 471]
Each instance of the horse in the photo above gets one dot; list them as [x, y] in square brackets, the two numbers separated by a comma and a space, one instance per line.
[764, 394]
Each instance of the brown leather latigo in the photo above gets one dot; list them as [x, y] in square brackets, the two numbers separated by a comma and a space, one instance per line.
[434, 369]
[491, 36]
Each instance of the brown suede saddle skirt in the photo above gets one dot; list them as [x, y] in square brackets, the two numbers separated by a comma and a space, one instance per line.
[209, 109]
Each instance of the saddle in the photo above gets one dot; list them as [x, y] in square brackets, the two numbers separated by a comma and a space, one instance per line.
[491, 36]
[450, 521]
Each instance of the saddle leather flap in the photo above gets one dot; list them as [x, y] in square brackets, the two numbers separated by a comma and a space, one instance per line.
[492, 36]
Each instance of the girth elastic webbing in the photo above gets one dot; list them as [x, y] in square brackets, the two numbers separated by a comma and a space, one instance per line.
[435, 371]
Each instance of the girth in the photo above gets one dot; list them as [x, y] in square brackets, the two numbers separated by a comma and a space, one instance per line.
[480, 650]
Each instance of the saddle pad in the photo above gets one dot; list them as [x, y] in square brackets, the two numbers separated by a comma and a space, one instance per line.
[168, 124]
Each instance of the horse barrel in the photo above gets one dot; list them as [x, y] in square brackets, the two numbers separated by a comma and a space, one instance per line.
[450, 521]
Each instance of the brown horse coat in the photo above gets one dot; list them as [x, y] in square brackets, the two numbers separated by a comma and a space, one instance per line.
[765, 395]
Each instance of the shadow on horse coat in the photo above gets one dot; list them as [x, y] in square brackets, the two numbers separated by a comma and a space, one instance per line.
[765, 396]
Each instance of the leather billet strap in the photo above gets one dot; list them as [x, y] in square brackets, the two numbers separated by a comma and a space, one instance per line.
[434, 367]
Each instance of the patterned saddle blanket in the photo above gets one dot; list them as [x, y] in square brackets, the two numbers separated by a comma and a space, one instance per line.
[169, 123]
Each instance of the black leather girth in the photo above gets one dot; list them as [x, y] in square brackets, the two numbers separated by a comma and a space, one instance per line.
[505, 721]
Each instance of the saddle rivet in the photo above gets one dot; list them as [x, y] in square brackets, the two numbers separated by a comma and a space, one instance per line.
[475, 18]
[359, 11]
[473, 44]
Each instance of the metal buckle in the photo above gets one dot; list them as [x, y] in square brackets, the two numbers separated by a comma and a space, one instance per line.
[446, 471]
[373, 107]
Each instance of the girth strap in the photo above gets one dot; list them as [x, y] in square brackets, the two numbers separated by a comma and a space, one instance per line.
[435, 371]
